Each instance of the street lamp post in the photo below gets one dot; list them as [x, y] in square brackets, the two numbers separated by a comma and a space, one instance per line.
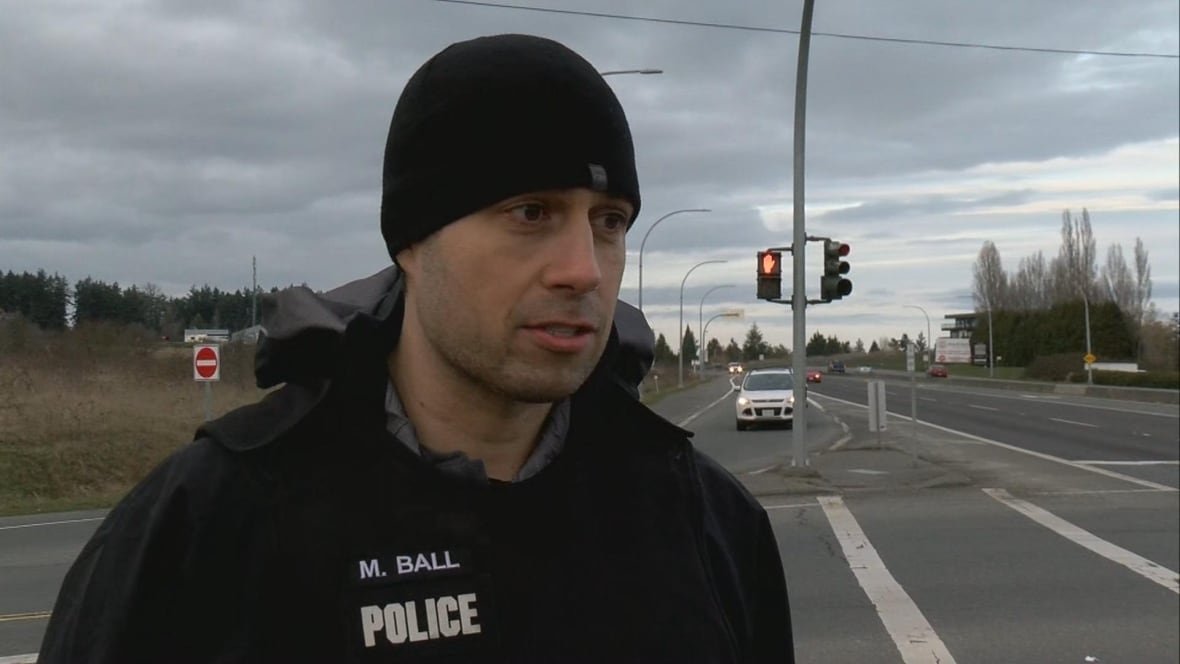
[700, 325]
[644, 242]
[680, 327]
[1089, 369]
[929, 341]
[724, 314]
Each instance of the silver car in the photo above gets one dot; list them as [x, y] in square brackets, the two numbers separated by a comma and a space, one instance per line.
[765, 396]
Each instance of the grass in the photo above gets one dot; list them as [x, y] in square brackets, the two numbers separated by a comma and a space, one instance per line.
[80, 425]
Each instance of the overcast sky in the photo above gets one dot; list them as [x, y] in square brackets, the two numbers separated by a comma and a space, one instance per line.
[171, 141]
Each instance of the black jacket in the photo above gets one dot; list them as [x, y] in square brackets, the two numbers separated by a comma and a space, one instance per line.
[298, 529]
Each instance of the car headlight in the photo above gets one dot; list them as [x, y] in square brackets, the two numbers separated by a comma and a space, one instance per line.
[742, 401]
[791, 400]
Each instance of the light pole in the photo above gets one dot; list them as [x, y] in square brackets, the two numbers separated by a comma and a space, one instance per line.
[929, 341]
[1089, 370]
[680, 327]
[630, 71]
[700, 325]
[991, 356]
[724, 314]
[644, 242]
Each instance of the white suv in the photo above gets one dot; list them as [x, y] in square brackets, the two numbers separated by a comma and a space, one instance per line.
[766, 396]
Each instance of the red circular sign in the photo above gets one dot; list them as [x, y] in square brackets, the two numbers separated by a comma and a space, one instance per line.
[205, 362]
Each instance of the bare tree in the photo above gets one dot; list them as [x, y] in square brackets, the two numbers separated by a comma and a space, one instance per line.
[1141, 312]
[1075, 268]
[991, 283]
[1117, 284]
[1031, 288]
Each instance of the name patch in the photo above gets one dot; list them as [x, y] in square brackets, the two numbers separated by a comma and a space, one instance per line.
[412, 565]
[432, 618]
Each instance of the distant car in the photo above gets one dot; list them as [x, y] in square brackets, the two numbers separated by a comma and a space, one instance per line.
[936, 371]
[864, 369]
[836, 366]
[815, 376]
[766, 396]
[736, 368]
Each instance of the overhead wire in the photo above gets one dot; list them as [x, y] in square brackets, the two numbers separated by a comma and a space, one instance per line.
[834, 35]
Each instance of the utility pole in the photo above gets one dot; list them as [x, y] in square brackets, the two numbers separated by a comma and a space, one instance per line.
[799, 296]
[254, 293]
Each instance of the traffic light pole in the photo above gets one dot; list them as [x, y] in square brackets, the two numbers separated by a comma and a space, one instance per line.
[799, 294]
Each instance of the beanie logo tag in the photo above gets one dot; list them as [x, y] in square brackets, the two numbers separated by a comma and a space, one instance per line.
[597, 177]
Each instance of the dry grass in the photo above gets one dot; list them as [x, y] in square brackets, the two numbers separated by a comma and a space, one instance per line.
[85, 414]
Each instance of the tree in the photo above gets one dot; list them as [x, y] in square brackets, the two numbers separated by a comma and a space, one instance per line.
[990, 282]
[920, 343]
[1075, 268]
[1139, 310]
[713, 350]
[663, 353]
[860, 346]
[690, 344]
[817, 345]
[1032, 287]
[874, 348]
[733, 352]
[754, 345]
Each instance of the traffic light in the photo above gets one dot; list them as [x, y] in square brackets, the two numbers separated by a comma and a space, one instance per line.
[770, 275]
[833, 285]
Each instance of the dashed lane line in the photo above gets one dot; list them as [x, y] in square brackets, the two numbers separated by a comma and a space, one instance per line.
[982, 407]
[1132, 561]
[915, 639]
[42, 524]
[1158, 462]
[15, 617]
[1075, 423]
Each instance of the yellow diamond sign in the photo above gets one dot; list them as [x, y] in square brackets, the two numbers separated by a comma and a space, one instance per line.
[1089, 358]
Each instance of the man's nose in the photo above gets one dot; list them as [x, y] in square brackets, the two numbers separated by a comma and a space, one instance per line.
[573, 261]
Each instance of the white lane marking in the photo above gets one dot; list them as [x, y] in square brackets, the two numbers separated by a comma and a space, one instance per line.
[761, 470]
[1131, 463]
[789, 506]
[911, 632]
[33, 615]
[1080, 424]
[700, 412]
[982, 407]
[1039, 455]
[1132, 561]
[1088, 492]
[30, 658]
[50, 523]
[926, 399]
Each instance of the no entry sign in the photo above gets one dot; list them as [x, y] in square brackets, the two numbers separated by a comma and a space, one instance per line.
[206, 363]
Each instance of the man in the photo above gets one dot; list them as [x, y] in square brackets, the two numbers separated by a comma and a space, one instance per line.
[453, 470]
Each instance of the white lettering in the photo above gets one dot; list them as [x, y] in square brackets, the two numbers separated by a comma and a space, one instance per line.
[370, 569]
[372, 623]
[402, 622]
[412, 622]
[431, 618]
[395, 623]
[467, 613]
[448, 626]
[449, 565]
[405, 564]
[422, 563]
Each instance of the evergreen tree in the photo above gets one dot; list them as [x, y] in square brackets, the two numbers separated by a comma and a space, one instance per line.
[690, 345]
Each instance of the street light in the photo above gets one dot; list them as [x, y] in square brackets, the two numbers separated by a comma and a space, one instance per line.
[700, 325]
[680, 327]
[724, 314]
[929, 341]
[644, 242]
[630, 71]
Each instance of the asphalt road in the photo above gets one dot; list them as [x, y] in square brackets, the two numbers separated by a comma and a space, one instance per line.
[980, 570]
[1137, 439]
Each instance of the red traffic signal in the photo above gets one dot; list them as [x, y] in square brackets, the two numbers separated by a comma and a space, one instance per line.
[770, 272]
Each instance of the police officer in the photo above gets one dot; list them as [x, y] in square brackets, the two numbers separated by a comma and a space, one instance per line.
[455, 467]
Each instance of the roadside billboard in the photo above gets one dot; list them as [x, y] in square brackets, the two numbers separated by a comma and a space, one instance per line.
[952, 351]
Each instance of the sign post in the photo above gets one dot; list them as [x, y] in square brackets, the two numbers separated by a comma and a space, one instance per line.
[207, 369]
[909, 367]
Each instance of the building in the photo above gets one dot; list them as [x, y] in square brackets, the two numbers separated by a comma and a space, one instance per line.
[961, 325]
[201, 336]
[248, 335]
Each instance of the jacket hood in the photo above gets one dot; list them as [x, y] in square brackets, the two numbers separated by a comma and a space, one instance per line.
[302, 331]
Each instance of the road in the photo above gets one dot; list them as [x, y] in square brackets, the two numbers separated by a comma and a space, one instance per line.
[1017, 557]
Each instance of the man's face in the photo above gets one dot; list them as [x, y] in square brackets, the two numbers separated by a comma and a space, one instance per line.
[518, 298]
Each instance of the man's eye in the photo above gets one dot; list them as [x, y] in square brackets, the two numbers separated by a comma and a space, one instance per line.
[528, 212]
[613, 221]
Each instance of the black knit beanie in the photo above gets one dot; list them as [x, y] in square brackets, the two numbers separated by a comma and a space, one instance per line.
[496, 117]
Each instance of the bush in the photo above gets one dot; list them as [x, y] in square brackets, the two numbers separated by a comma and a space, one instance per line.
[1158, 379]
[1058, 367]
